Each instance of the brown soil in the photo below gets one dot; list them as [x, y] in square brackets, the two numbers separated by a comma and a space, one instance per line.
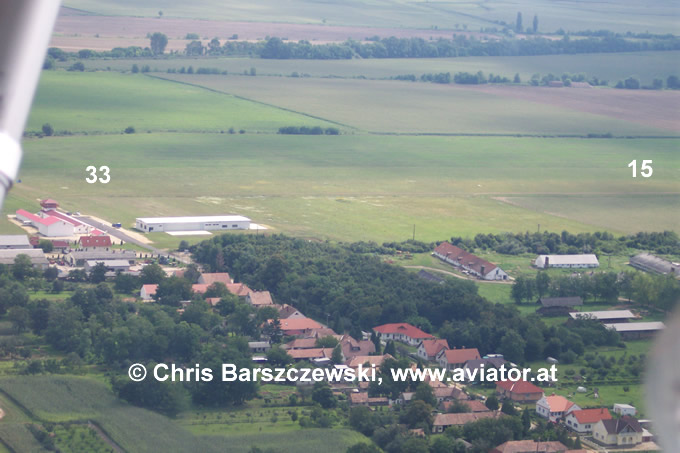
[85, 27]
[657, 109]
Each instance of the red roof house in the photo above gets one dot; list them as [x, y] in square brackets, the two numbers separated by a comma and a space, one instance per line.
[520, 391]
[428, 349]
[95, 241]
[582, 421]
[404, 332]
[456, 358]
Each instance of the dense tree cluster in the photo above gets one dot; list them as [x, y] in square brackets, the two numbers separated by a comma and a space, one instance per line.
[546, 242]
[305, 130]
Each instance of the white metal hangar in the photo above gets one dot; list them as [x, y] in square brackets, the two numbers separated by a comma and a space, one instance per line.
[199, 223]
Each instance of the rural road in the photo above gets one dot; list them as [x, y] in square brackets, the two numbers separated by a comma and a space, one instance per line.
[452, 274]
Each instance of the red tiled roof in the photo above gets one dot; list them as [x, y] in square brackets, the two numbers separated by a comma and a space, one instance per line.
[238, 289]
[95, 241]
[48, 201]
[212, 277]
[260, 298]
[461, 355]
[592, 415]
[199, 288]
[558, 403]
[315, 353]
[298, 324]
[301, 343]
[432, 347]
[462, 418]
[519, 387]
[150, 289]
[465, 258]
[404, 329]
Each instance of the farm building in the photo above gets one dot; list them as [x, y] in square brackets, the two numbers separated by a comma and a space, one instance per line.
[14, 241]
[473, 264]
[95, 241]
[114, 265]
[606, 316]
[566, 261]
[7, 256]
[78, 257]
[48, 226]
[403, 332]
[650, 263]
[636, 330]
[198, 223]
[624, 409]
[558, 305]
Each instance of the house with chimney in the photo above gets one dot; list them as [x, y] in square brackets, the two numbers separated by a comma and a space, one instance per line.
[468, 262]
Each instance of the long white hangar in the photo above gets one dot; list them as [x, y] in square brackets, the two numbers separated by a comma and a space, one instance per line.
[199, 223]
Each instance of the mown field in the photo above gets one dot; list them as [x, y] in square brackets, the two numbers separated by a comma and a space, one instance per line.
[609, 66]
[408, 107]
[66, 398]
[627, 15]
[351, 187]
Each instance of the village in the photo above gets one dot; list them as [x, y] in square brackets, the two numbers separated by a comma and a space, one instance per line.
[303, 341]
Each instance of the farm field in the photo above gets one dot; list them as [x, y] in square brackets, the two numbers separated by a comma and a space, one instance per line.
[623, 16]
[408, 107]
[65, 398]
[607, 66]
[349, 187]
[108, 103]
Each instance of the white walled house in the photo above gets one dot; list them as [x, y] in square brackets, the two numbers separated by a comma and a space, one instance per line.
[584, 420]
[429, 349]
[554, 407]
[624, 409]
[402, 332]
[196, 223]
[624, 431]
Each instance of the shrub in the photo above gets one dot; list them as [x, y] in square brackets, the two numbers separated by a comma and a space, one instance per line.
[130, 130]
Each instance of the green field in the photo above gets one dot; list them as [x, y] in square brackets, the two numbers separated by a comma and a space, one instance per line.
[609, 66]
[108, 103]
[66, 399]
[622, 16]
[407, 107]
[348, 187]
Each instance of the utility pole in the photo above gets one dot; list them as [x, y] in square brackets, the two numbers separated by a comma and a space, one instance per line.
[414, 231]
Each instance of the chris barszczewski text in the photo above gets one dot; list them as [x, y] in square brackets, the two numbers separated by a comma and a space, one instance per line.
[231, 373]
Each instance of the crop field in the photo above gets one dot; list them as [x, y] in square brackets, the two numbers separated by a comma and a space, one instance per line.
[352, 187]
[18, 438]
[408, 107]
[63, 399]
[608, 66]
[108, 103]
[622, 16]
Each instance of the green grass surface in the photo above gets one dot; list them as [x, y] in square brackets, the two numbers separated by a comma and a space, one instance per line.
[352, 187]
[397, 106]
[110, 102]
[609, 66]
